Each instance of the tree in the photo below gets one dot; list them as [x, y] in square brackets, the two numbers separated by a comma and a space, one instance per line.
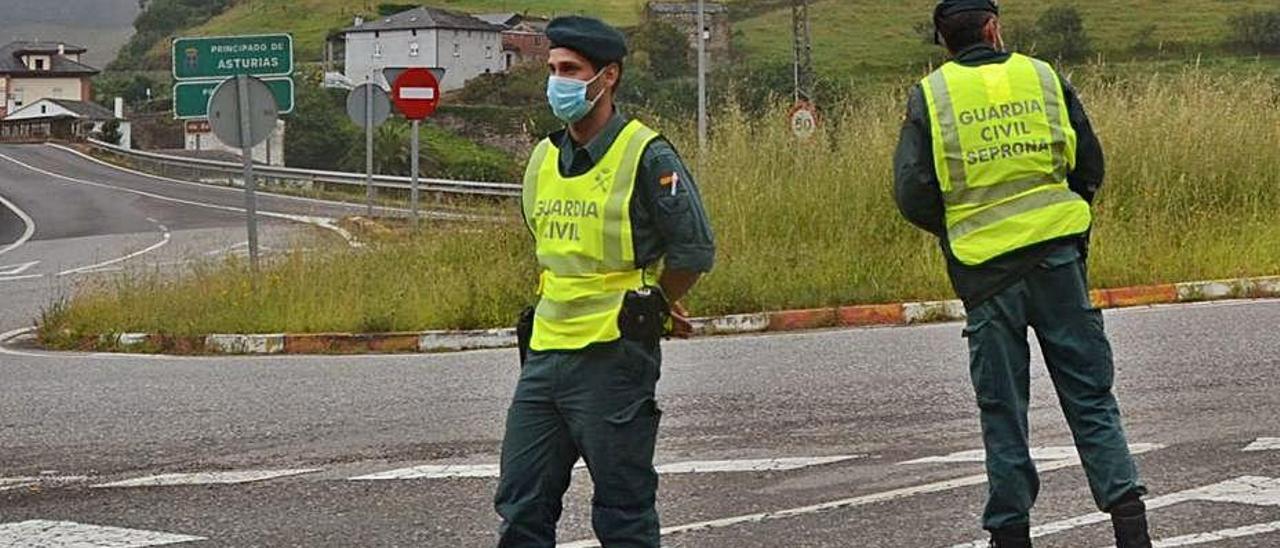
[133, 89]
[1060, 34]
[110, 132]
[319, 134]
[665, 48]
[392, 9]
[1257, 32]
[160, 19]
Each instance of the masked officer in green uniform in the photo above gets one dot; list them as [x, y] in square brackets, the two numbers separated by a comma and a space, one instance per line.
[998, 159]
[620, 233]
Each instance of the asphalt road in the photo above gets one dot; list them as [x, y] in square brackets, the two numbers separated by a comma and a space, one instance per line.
[90, 218]
[1198, 386]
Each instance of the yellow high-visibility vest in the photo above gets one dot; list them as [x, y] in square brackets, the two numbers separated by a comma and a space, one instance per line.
[1002, 147]
[582, 228]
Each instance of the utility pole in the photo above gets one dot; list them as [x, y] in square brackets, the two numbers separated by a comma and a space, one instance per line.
[702, 78]
[803, 50]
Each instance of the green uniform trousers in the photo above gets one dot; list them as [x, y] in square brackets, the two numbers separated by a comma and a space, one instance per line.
[1054, 299]
[598, 404]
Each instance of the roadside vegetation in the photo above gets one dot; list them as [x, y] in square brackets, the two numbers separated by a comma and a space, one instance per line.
[1192, 176]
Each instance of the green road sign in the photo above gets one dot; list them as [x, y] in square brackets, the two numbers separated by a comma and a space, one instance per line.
[224, 56]
[191, 99]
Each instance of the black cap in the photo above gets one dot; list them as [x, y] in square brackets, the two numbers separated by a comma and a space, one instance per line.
[947, 8]
[592, 38]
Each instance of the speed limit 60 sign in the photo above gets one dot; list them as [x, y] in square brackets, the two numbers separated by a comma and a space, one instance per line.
[803, 119]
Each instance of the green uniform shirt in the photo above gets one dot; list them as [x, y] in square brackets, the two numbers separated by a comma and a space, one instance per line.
[665, 222]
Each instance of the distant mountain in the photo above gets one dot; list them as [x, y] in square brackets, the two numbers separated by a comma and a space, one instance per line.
[100, 25]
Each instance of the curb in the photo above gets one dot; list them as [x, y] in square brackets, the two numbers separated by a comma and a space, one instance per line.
[739, 324]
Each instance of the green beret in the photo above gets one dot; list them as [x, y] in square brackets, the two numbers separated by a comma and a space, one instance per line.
[592, 38]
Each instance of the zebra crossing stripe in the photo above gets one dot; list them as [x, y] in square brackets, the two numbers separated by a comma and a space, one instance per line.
[1264, 444]
[443, 471]
[69, 534]
[207, 478]
[1217, 536]
[1048, 454]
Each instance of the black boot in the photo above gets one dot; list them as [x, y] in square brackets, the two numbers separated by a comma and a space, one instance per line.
[1014, 536]
[1130, 521]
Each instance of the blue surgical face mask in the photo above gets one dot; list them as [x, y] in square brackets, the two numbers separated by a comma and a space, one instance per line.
[568, 97]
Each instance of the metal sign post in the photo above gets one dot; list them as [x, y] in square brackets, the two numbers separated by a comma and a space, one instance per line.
[702, 80]
[416, 93]
[243, 113]
[368, 156]
[413, 166]
[250, 184]
[216, 78]
[367, 106]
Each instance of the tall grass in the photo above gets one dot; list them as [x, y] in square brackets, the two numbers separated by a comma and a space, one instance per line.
[1193, 192]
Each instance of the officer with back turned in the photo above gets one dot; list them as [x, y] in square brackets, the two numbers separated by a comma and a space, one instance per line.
[998, 159]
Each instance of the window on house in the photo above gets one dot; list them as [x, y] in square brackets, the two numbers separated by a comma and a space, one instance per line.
[413, 49]
[377, 49]
[457, 50]
[488, 52]
[39, 64]
[44, 109]
[413, 32]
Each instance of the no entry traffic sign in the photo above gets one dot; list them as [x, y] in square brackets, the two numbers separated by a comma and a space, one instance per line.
[416, 93]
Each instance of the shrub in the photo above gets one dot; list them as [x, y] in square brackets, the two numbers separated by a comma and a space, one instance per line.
[1257, 31]
[666, 50]
[1060, 34]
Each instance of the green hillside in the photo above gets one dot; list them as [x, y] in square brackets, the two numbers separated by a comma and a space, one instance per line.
[854, 35]
[850, 36]
[311, 20]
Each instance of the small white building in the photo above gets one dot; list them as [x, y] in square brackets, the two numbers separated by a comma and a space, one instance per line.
[91, 117]
[463, 45]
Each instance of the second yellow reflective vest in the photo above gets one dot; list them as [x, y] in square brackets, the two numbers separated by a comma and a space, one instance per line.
[1003, 146]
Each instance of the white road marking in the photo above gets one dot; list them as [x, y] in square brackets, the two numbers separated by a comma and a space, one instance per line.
[15, 269]
[852, 502]
[756, 465]
[1251, 490]
[20, 278]
[1216, 536]
[354, 206]
[26, 220]
[322, 222]
[69, 534]
[207, 478]
[164, 240]
[1037, 453]
[442, 471]
[1264, 444]
[434, 471]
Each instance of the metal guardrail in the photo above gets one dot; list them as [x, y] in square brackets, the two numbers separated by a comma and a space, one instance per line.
[196, 166]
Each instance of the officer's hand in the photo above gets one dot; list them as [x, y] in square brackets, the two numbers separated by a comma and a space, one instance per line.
[681, 327]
